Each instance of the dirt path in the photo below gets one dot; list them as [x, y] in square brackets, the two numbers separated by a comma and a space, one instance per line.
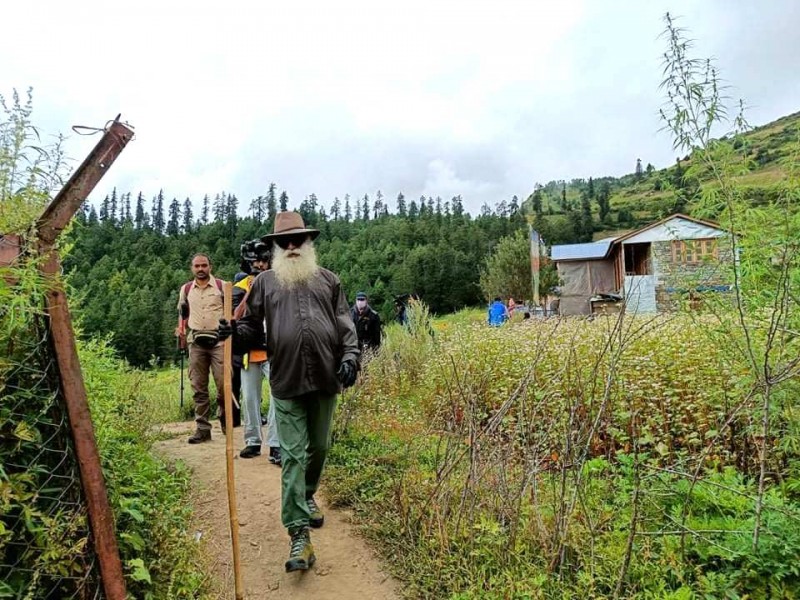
[346, 568]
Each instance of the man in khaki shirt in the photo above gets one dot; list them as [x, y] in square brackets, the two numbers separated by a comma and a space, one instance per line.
[200, 309]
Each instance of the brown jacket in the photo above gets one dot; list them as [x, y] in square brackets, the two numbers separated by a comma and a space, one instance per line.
[309, 332]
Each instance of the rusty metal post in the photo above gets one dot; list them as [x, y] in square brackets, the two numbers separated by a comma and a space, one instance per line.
[58, 213]
[52, 222]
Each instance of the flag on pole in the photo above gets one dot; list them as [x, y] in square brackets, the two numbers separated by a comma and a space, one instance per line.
[536, 253]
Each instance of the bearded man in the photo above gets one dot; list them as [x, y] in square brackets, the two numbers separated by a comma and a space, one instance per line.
[313, 350]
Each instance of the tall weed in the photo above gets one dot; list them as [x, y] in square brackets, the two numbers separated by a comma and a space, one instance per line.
[45, 550]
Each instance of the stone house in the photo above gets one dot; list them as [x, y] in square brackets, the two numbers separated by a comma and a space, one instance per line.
[646, 270]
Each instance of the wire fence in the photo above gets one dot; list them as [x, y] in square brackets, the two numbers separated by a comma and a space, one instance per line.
[45, 547]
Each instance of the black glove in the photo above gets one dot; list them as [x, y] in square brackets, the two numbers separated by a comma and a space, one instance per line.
[226, 329]
[347, 373]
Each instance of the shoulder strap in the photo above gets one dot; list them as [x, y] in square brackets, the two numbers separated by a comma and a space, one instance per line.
[239, 312]
[188, 287]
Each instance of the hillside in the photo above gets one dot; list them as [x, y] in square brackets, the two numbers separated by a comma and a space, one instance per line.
[638, 199]
[431, 247]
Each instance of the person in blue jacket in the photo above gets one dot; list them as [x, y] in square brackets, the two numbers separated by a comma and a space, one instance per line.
[498, 313]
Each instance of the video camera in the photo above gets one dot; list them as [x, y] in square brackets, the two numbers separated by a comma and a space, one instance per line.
[253, 250]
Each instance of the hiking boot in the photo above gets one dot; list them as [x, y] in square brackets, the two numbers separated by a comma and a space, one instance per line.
[301, 554]
[315, 517]
[250, 451]
[200, 436]
[275, 455]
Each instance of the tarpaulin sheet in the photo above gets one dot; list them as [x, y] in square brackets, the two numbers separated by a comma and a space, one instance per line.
[580, 280]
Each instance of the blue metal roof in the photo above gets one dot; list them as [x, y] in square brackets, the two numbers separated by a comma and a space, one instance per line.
[590, 251]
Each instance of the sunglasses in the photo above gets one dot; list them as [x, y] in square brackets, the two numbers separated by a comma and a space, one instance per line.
[296, 240]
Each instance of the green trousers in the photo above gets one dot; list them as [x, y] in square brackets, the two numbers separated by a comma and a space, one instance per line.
[304, 428]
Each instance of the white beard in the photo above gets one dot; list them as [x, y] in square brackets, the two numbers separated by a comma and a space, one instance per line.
[297, 269]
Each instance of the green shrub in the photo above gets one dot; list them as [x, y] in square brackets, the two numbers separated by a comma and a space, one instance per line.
[45, 550]
[150, 498]
[464, 469]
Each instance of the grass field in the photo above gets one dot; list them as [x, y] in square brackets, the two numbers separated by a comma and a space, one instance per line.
[568, 458]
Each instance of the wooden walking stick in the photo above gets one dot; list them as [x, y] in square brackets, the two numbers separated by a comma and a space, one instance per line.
[228, 377]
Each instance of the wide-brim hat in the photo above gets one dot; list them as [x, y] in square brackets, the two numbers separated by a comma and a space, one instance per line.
[289, 223]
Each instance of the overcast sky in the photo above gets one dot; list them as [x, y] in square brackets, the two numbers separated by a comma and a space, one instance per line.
[481, 99]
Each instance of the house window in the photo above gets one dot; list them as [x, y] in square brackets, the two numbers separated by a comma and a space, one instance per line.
[689, 252]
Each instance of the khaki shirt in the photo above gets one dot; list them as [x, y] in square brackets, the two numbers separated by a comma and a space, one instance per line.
[205, 307]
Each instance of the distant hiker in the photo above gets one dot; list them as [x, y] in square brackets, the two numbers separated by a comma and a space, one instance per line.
[313, 350]
[400, 309]
[254, 365]
[498, 313]
[199, 312]
[367, 322]
[511, 306]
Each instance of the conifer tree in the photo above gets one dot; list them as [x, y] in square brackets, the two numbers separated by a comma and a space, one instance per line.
[586, 226]
[638, 172]
[377, 207]
[458, 206]
[307, 209]
[158, 212]
[365, 208]
[677, 176]
[104, 209]
[188, 223]
[258, 208]
[603, 200]
[348, 213]
[537, 201]
[174, 221]
[591, 189]
[272, 202]
[501, 209]
[92, 218]
[336, 209]
[231, 204]
[284, 201]
[113, 207]
[413, 211]
[126, 208]
[401, 206]
[313, 202]
[140, 214]
[83, 213]
[220, 208]
[205, 210]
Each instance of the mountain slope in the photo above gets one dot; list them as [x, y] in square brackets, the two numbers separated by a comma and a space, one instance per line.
[635, 199]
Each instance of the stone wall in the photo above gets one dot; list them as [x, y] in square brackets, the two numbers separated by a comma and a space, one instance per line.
[672, 277]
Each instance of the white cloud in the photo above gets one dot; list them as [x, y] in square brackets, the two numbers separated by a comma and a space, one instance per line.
[425, 97]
